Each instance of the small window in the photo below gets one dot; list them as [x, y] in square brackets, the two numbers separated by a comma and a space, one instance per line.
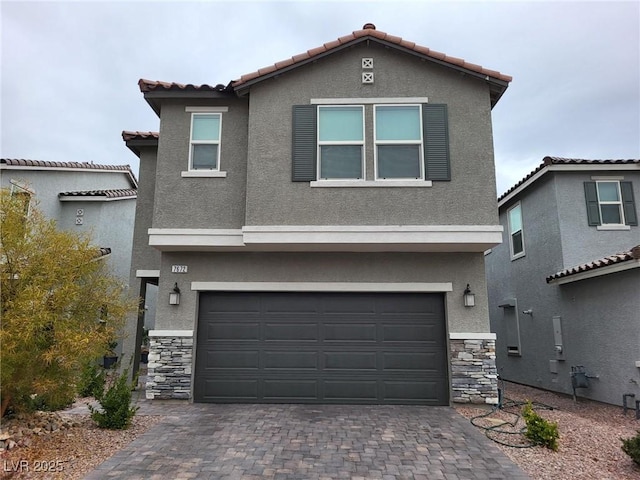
[516, 238]
[340, 142]
[205, 141]
[23, 195]
[610, 203]
[398, 140]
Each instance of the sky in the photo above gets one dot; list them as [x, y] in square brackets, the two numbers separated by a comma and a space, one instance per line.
[69, 70]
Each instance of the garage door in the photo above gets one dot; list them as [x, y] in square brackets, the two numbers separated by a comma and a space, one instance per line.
[364, 348]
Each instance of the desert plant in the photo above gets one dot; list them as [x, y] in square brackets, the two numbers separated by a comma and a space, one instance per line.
[116, 412]
[631, 446]
[92, 380]
[540, 431]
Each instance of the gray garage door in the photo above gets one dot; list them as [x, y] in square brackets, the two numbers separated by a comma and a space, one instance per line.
[321, 348]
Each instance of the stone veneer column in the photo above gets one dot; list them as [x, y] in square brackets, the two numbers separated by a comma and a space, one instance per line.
[474, 377]
[170, 362]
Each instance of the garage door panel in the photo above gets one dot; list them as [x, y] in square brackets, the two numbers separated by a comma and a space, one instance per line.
[360, 332]
[300, 390]
[350, 361]
[350, 390]
[291, 332]
[225, 359]
[298, 360]
[232, 331]
[322, 348]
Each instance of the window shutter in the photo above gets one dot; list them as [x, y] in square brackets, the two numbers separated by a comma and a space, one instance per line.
[304, 149]
[628, 204]
[436, 142]
[591, 197]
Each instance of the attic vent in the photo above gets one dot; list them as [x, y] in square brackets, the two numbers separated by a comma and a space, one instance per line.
[367, 63]
[367, 77]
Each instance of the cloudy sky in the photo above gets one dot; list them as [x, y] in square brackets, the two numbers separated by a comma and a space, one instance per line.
[70, 69]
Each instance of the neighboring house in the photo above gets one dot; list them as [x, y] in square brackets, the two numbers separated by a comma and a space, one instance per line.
[564, 288]
[313, 227]
[81, 197]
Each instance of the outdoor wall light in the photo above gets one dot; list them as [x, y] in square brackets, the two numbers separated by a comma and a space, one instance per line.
[469, 298]
[174, 295]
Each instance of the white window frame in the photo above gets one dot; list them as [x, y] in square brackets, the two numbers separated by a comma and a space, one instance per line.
[515, 256]
[320, 143]
[17, 187]
[199, 171]
[377, 142]
[603, 202]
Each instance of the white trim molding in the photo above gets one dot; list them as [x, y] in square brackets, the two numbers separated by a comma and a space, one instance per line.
[352, 101]
[203, 174]
[597, 272]
[613, 227]
[321, 287]
[147, 273]
[171, 333]
[202, 109]
[472, 336]
[331, 238]
[371, 183]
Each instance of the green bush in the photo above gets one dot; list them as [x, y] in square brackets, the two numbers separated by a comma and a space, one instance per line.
[540, 431]
[631, 446]
[49, 402]
[115, 400]
[92, 380]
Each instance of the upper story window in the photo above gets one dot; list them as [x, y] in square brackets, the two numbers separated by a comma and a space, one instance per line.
[341, 142]
[516, 238]
[610, 204]
[23, 195]
[398, 142]
[410, 142]
[204, 152]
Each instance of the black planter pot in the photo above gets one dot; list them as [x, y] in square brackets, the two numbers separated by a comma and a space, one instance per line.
[144, 357]
[109, 361]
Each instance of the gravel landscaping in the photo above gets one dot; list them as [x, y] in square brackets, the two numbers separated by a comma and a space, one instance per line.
[69, 446]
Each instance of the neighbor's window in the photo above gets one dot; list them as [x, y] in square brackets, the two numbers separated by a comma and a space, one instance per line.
[23, 195]
[610, 203]
[205, 141]
[515, 231]
[341, 142]
[398, 140]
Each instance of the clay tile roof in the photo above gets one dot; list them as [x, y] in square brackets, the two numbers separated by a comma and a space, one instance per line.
[369, 30]
[152, 85]
[632, 254]
[131, 135]
[550, 161]
[41, 163]
[117, 193]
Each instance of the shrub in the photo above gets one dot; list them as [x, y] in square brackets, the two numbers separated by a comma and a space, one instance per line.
[115, 401]
[48, 402]
[631, 446]
[92, 380]
[540, 431]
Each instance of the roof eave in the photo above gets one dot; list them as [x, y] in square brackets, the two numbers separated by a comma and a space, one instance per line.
[154, 98]
[137, 144]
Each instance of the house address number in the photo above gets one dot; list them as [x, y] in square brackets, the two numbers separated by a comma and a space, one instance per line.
[179, 269]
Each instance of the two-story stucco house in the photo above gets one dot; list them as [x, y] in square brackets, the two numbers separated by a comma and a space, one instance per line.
[564, 287]
[82, 197]
[313, 227]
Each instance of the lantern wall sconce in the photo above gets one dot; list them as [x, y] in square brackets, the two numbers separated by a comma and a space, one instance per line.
[469, 298]
[174, 295]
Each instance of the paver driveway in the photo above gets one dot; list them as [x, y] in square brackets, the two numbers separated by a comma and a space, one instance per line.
[205, 441]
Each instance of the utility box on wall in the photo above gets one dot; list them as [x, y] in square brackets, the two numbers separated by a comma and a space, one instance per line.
[557, 338]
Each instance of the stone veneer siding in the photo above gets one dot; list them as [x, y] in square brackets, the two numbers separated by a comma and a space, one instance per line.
[170, 361]
[474, 377]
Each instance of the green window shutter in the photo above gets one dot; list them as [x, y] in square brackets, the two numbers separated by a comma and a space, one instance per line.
[305, 146]
[435, 127]
[628, 204]
[591, 197]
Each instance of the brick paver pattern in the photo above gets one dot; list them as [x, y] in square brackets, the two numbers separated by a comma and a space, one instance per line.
[206, 441]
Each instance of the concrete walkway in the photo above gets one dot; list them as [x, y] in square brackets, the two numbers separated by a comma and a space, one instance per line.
[206, 441]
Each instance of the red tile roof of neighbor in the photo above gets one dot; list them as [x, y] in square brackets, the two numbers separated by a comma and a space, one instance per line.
[368, 31]
[119, 193]
[42, 163]
[632, 254]
[549, 161]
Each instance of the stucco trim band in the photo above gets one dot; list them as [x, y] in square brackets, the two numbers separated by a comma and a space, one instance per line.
[203, 174]
[371, 183]
[322, 287]
[171, 333]
[342, 101]
[147, 273]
